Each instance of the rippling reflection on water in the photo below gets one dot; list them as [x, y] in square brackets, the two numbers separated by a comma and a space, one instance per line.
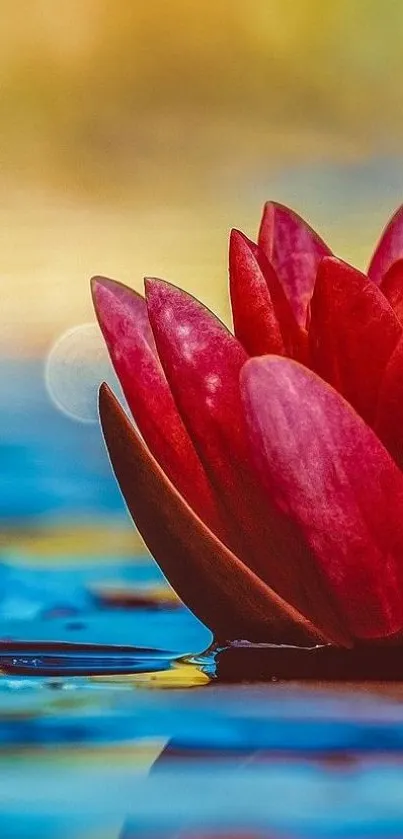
[136, 736]
[159, 748]
[94, 758]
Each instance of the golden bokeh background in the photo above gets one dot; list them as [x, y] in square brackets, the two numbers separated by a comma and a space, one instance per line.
[135, 134]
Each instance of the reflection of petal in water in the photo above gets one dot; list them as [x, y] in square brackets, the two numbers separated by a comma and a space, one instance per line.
[265, 662]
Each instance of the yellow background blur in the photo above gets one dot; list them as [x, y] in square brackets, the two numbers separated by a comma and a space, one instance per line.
[135, 134]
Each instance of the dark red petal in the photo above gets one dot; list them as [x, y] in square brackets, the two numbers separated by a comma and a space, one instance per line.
[389, 419]
[392, 288]
[352, 334]
[202, 362]
[123, 318]
[294, 250]
[218, 588]
[389, 248]
[330, 472]
[263, 318]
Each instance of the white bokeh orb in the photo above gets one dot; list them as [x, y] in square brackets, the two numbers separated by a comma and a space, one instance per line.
[76, 365]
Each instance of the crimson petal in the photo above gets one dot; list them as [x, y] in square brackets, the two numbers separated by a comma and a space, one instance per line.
[123, 318]
[389, 248]
[295, 250]
[389, 419]
[352, 334]
[263, 318]
[330, 472]
[202, 362]
[215, 585]
[255, 322]
[392, 288]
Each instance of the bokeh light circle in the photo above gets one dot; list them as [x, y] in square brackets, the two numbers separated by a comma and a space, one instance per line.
[76, 365]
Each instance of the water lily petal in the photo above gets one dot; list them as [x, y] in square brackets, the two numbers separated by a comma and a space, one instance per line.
[123, 318]
[295, 250]
[389, 419]
[392, 288]
[202, 362]
[353, 332]
[215, 585]
[255, 321]
[263, 318]
[389, 248]
[330, 472]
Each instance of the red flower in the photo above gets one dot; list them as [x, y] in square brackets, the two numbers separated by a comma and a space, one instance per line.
[267, 479]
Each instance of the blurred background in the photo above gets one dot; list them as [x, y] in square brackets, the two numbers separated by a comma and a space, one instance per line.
[133, 136]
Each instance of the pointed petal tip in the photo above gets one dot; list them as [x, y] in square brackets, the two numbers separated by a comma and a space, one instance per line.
[106, 400]
[105, 291]
[157, 289]
[389, 247]
[104, 392]
[109, 407]
[235, 238]
[239, 243]
[156, 282]
[237, 235]
[162, 294]
[328, 264]
[107, 404]
[98, 282]
[270, 206]
[162, 299]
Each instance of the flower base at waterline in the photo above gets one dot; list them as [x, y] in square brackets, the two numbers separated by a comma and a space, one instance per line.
[244, 661]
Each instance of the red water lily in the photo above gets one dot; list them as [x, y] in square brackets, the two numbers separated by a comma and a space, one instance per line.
[266, 475]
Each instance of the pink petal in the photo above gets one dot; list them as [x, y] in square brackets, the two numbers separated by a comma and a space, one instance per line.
[202, 362]
[215, 585]
[389, 248]
[294, 250]
[330, 472]
[352, 334]
[263, 318]
[392, 288]
[389, 419]
[123, 318]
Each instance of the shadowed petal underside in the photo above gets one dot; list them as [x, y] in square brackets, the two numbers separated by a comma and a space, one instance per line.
[216, 586]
